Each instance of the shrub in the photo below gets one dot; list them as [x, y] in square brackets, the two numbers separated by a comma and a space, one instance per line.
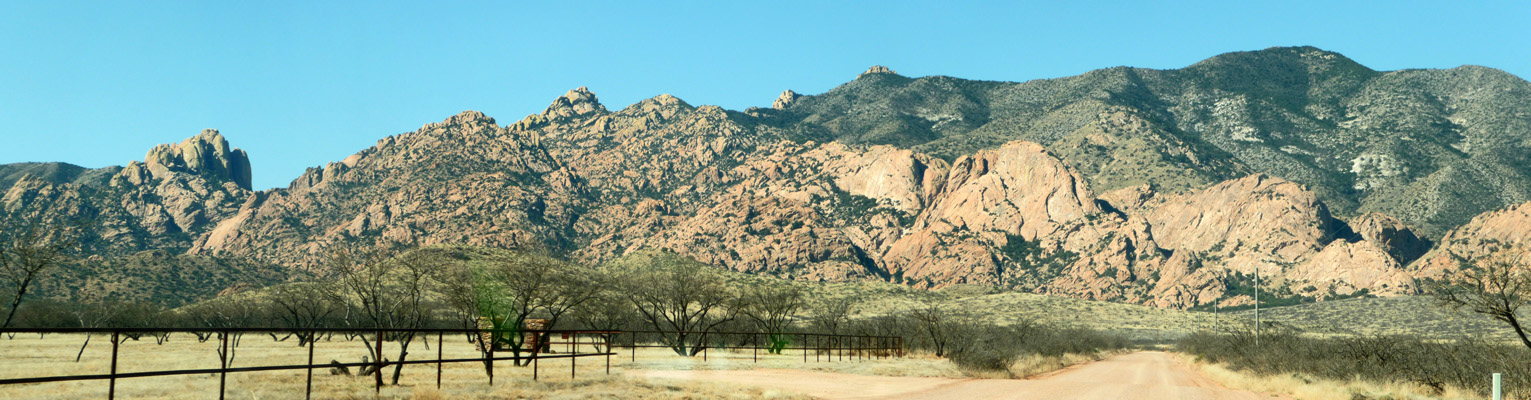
[1464, 364]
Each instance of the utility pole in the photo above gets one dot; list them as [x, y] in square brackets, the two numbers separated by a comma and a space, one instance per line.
[1257, 304]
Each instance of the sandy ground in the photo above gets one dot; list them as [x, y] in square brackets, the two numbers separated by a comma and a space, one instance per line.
[1142, 375]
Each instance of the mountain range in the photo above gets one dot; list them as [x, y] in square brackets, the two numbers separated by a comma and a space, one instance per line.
[1161, 187]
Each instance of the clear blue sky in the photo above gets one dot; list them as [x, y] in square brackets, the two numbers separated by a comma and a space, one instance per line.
[300, 84]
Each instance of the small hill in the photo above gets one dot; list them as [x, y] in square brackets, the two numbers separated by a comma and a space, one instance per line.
[157, 277]
[55, 173]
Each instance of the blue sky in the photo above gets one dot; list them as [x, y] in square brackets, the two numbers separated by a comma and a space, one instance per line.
[299, 84]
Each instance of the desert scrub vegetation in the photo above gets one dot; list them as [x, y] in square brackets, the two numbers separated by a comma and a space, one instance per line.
[1439, 367]
[1026, 349]
[980, 348]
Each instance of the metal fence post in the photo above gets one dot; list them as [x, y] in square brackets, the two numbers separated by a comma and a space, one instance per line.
[439, 357]
[223, 365]
[308, 390]
[111, 390]
[1498, 393]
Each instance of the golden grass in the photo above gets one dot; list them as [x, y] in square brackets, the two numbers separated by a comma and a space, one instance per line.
[1304, 387]
[1403, 315]
[29, 356]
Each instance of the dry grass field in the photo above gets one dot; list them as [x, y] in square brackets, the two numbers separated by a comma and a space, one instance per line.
[1404, 315]
[31, 356]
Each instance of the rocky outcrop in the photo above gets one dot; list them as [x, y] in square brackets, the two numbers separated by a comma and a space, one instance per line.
[1480, 238]
[180, 192]
[463, 180]
[207, 154]
[1343, 267]
[785, 100]
[1259, 214]
[578, 102]
[877, 69]
[1391, 235]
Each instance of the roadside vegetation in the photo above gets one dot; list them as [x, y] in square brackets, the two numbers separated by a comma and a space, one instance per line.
[1434, 368]
[1496, 286]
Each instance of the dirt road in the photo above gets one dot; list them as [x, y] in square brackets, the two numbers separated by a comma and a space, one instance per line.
[1142, 375]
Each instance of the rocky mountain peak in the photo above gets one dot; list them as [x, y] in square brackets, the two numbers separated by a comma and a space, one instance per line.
[786, 99]
[207, 153]
[465, 118]
[577, 102]
[877, 69]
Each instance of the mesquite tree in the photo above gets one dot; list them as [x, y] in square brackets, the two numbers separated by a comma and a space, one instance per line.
[505, 288]
[680, 297]
[772, 306]
[24, 255]
[1497, 285]
[386, 293]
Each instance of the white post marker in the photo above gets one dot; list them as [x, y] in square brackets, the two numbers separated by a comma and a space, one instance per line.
[1497, 387]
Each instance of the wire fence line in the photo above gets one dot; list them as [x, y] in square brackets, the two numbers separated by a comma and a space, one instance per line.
[604, 342]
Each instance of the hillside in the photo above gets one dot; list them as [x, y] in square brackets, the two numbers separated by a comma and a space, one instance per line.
[1430, 147]
[157, 277]
[1167, 188]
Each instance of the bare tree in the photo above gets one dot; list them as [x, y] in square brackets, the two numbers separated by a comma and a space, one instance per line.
[306, 306]
[607, 311]
[90, 315]
[24, 256]
[772, 306]
[938, 324]
[388, 292]
[830, 315]
[234, 311]
[417, 275]
[1497, 286]
[678, 296]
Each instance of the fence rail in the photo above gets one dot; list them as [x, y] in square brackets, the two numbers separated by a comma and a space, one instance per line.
[822, 345]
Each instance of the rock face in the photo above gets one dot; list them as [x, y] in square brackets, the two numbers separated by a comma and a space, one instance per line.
[1492, 231]
[207, 153]
[181, 192]
[1392, 235]
[1267, 218]
[877, 69]
[463, 180]
[785, 100]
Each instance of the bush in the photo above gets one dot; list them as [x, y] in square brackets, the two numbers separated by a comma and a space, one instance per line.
[987, 348]
[983, 347]
[1463, 364]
